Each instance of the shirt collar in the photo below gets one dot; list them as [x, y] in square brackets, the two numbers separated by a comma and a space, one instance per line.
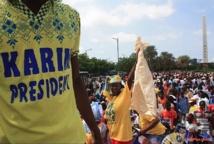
[26, 11]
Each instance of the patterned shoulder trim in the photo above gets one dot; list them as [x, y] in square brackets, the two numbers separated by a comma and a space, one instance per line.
[3, 2]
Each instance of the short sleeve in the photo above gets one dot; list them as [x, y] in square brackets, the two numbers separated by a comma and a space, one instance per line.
[77, 30]
[149, 118]
[127, 91]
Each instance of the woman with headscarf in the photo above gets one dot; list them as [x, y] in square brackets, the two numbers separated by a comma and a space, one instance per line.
[117, 114]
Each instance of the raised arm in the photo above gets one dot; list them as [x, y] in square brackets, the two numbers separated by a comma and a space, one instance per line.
[131, 73]
[82, 101]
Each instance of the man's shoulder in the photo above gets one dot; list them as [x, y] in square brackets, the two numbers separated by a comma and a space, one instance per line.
[65, 7]
[3, 5]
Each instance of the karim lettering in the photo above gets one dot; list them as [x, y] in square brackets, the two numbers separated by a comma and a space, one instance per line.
[31, 65]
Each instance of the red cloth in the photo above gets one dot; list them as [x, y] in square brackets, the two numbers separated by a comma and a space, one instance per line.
[211, 108]
[162, 101]
[171, 114]
[103, 119]
[119, 142]
[166, 89]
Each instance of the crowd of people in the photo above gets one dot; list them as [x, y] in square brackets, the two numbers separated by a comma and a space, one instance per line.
[185, 101]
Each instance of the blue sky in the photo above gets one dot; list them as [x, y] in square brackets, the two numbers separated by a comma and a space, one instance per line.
[174, 26]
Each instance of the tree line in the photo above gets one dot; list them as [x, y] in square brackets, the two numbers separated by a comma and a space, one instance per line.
[157, 62]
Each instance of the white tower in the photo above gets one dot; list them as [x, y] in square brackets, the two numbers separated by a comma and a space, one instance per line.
[205, 52]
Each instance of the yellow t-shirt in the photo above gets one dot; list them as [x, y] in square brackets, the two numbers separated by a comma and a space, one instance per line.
[145, 120]
[36, 92]
[117, 116]
[193, 108]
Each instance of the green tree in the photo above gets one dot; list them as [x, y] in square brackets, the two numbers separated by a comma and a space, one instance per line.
[150, 54]
[157, 64]
[94, 66]
[83, 62]
[183, 62]
[167, 60]
[125, 63]
[193, 64]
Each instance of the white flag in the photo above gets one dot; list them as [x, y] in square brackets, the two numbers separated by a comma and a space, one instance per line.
[143, 94]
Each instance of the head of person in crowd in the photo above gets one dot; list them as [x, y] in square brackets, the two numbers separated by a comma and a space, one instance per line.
[161, 94]
[181, 93]
[184, 88]
[201, 85]
[202, 105]
[160, 87]
[158, 83]
[104, 106]
[188, 86]
[91, 96]
[194, 87]
[174, 84]
[171, 96]
[201, 94]
[115, 85]
[190, 118]
[172, 91]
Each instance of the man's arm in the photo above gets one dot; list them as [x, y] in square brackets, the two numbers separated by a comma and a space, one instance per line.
[82, 101]
[150, 126]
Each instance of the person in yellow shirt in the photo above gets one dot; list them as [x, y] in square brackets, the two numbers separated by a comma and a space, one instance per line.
[41, 90]
[117, 114]
[193, 106]
[152, 128]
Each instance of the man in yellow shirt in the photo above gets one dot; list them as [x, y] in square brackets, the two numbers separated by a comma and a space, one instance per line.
[41, 89]
[152, 128]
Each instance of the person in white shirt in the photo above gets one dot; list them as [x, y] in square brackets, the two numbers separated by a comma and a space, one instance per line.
[97, 111]
[203, 98]
[211, 81]
[195, 98]
[190, 125]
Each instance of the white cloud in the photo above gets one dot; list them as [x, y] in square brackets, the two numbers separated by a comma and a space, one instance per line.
[124, 37]
[92, 16]
[165, 36]
[141, 10]
[94, 39]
